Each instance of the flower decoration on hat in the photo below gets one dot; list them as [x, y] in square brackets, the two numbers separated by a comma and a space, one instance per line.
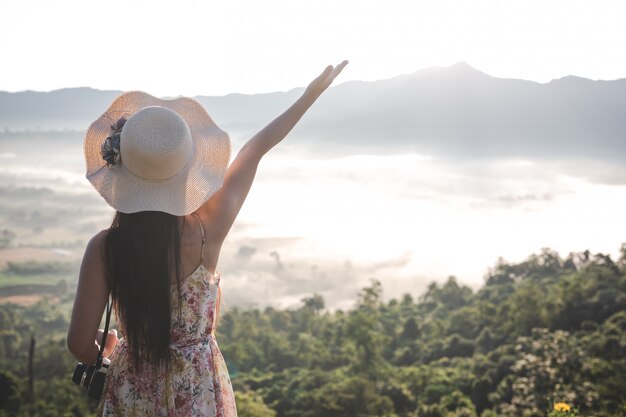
[164, 147]
[110, 148]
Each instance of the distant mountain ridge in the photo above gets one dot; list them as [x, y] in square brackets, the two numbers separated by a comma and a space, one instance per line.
[455, 110]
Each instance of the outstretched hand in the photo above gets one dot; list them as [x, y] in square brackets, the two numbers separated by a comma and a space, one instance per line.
[325, 79]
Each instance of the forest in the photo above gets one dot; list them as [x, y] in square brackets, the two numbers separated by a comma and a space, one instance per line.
[544, 332]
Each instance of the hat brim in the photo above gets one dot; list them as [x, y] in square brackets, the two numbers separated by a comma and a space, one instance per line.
[180, 195]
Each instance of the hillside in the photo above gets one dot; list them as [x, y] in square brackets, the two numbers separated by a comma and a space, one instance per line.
[549, 329]
[456, 111]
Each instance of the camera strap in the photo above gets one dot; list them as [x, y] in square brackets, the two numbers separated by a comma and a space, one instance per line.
[104, 336]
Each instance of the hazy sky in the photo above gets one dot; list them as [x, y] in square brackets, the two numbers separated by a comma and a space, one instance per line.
[250, 46]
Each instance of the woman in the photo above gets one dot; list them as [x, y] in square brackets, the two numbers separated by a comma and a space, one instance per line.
[163, 165]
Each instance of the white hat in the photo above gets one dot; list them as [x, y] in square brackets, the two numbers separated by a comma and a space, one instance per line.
[171, 157]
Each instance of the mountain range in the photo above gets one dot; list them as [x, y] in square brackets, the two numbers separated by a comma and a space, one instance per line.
[454, 111]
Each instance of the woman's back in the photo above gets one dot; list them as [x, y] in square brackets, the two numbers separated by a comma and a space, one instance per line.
[198, 383]
[156, 161]
[197, 247]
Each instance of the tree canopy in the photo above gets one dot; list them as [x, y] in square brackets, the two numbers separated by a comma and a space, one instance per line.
[546, 330]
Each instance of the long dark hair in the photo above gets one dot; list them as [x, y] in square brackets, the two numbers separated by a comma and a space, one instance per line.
[142, 251]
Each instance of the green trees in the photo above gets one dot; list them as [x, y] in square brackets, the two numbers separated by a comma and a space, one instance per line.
[364, 334]
[546, 329]
[55, 395]
[550, 367]
[250, 404]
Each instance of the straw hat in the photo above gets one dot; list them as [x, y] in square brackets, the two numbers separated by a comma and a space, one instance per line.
[171, 157]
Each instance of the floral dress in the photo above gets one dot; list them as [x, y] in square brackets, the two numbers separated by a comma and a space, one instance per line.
[199, 383]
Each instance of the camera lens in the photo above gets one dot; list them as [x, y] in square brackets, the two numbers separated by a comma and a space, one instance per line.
[97, 383]
[88, 375]
[78, 373]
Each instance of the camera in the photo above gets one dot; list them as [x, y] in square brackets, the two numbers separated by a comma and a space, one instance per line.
[91, 377]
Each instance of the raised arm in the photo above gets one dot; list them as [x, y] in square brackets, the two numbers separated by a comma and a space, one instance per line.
[222, 208]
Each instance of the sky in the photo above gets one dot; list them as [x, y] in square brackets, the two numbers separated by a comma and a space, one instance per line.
[250, 46]
[512, 207]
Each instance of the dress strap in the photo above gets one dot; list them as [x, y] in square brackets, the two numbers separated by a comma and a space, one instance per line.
[202, 230]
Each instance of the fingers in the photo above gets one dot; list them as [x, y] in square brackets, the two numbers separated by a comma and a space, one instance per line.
[110, 343]
[342, 64]
[323, 81]
[325, 73]
[331, 72]
[112, 337]
[99, 335]
[338, 69]
[335, 72]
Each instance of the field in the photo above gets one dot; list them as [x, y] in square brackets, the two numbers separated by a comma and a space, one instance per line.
[29, 275]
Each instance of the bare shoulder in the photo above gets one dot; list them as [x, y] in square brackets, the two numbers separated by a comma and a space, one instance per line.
[95, 246]
[100, 237]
